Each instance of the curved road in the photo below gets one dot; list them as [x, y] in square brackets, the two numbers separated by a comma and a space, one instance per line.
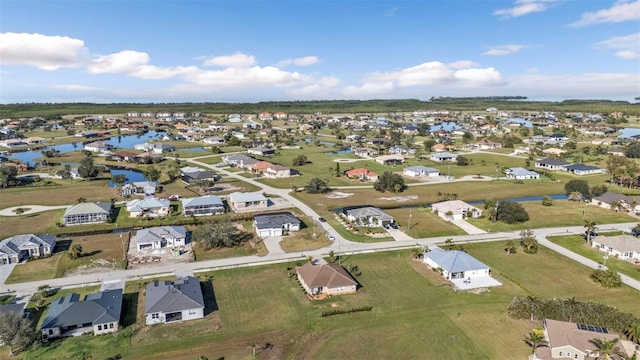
[340, 246]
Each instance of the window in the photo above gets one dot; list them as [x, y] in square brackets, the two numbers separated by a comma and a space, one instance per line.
[192, 312]
[155, 316]
[111, 326]
[575, 356]
[99, 327]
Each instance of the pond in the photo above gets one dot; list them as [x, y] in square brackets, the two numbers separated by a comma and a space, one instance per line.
[628, 132]
[338, 152]
[132, 176]
[122, 142]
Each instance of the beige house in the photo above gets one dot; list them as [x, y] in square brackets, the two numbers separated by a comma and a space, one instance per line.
[238, 200]
[615, 201]
[455, 210]
[322, 280]
[573, 341]
[625, 247]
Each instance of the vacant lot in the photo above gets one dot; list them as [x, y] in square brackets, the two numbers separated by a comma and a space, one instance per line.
[424, 223]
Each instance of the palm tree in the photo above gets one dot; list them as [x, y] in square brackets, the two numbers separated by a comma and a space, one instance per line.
[633, 332]
[572, 303]
[74, 251]
[606, 349]
[590, 227]
[535, 340]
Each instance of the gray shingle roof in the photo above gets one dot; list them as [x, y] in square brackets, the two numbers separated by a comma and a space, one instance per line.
[237, 197]
[89, 208]
[275, 221]
[14, 244]
[368, 211]
[144, 236]
[612, 198]
[211, 200]
[169, 296]
[552, 162]
[581, 167]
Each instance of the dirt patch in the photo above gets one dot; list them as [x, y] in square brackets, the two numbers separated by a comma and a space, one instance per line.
[338, 195]
[314, 346]
[400, 198]
[164, 256]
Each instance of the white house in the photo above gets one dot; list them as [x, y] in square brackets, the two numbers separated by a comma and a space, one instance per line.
[625, 247]
[149, 207]
[420, 170]
[98, 146]
[455, 210]
[582, 169]
[462, 269]
[368, 216]
[518, 173]
[551, 164]
[160, 236]
[173, 301]
[442, 157]
[203, 205]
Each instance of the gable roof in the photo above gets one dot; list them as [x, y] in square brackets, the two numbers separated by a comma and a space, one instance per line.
[368, 211]
[170, 296]
[418, 168]
[455, 206]
[562, 333]
[152, 234]
[98, 308]
[518, 171]
[581, 167]
[275, 221]
[200, 174]
[552, 162]
[325, 275]
[361, 171]
[247, 197]
[147, 203]
[89, 208]
[455, 260]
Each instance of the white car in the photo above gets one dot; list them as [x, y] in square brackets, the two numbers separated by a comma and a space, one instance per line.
[331, 237]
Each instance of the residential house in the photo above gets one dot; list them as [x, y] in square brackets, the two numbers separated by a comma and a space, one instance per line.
[239, 160]
[252, 125]
[322, 280]
[122, 155]
[99, 313]
[582, 169]
[213, 141]
[368, 216]
[615, 201]
[252, 200]
[276, 171]
[160, 236]
[420, 170]
[401, 150]
[24, 247]
[455, 210]
[390, 159]
[280, 115]
[624, 247]
[173, 301]
[87, 213]
[35, 140]
[551, 164]
[442, 147]
[518, 173]
[12, 308]
[616, 151]
[462, 269]
[362, 174]
[149, 207]
[364, 151]
[200, 175]
[235, 118]
[203, 205]
[275, 224]
[264, 116]
[443, 157]
[261, 151]
[567, 340]
[160, 148]
[148, 188]
[98, 146]
[487, 145]
[553, 151]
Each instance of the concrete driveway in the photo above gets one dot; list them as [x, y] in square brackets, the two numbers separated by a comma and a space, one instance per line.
[273, 244]
[5, 271]
[399, 235]
[470, 229]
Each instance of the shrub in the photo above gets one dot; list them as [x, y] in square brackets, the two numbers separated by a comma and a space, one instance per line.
[607, 278]
[349, 311]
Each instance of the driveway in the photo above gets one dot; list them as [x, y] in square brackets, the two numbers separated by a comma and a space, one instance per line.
[5, 271]
[398, 235]
[470, 229]
[273, 244]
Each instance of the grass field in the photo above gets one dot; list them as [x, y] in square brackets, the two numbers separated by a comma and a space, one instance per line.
[577, 244]
[424, 223]
[413, 313]
[561, 213]
[106, 250]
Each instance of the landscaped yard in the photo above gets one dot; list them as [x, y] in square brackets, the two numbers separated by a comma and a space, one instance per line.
[578, 245]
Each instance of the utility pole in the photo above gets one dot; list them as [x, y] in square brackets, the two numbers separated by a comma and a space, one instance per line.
[409, 225]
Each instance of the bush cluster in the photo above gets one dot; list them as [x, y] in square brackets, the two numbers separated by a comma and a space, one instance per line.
[349, 311]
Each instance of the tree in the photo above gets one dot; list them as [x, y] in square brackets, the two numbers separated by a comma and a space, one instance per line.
[15, 332]
[119, 180]
[337, 172]
[19, 211]
[633, 332]
[510, 247]
[607, 278]
[462, 161]
[547, 201]
[467, 137]
[300, 160]
[580, 186]
[528, 241]
[633, 150]
[510, 212]
[590, 227]
[606, 349]
[535, 339]
[87, 169]
[151, 173]
[388, 182]
[317, 186]
[428, 144]
[575, 196]
[75, 251]
[219, 233]
[8, 176]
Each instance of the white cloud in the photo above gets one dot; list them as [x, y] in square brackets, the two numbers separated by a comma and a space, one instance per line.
[136, 64]
[245, 77]
[623, 10]
[435, 72]
[462, 64]
[321, 88]
[575, 86]
[369, 90]
[76, 87]
[237, 59]
[504, 50]
[478, 77]
[42, 51]
[524, 7]
[301, 61]
[628, 46]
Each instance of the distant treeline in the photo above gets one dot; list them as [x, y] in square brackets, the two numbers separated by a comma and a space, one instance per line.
[473, 98]
[514, 103]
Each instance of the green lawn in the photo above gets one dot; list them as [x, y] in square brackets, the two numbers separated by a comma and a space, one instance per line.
[561, 213]
[424, 223]
[577, 244]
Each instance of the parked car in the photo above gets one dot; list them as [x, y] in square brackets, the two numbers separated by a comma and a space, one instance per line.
[321, 219]
[331, 237]
[386, 226]
[174, 197]
[394, 225]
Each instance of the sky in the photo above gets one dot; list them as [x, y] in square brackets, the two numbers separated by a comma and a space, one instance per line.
[262, 50]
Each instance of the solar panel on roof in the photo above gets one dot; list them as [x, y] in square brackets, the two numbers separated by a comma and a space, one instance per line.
[592, 328]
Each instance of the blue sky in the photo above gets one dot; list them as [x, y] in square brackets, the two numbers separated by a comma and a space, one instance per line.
[249, 51]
